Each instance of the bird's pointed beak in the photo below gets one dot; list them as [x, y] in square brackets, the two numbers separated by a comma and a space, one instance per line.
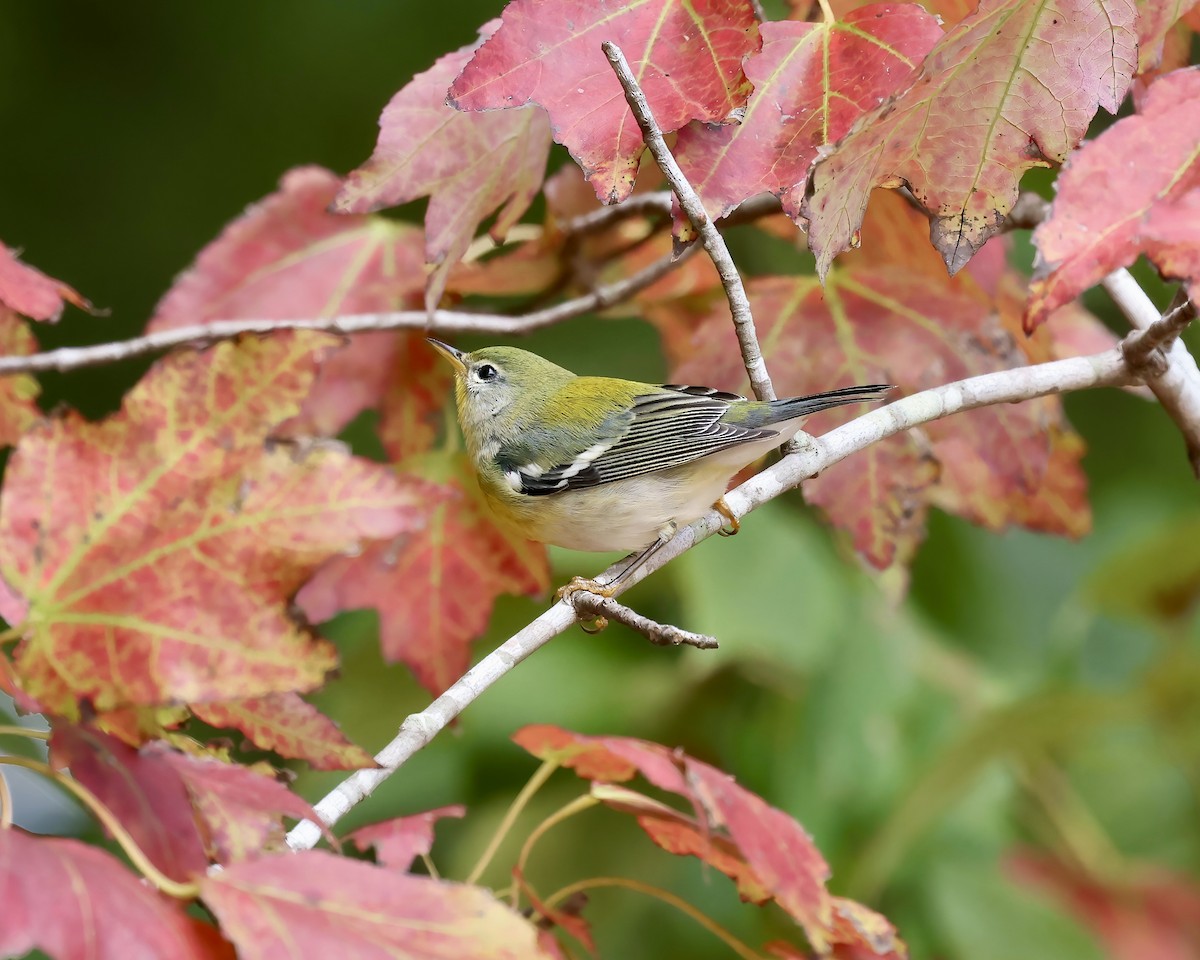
[456, 357]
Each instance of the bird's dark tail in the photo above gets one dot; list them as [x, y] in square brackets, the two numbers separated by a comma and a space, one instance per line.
[802, 406]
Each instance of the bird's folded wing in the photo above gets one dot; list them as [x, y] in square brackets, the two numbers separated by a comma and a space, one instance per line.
[663, 430]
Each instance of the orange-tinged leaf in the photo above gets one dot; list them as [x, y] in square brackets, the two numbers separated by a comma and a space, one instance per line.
[687, 57]
[469, 165]
[811, 82]
[399, 841]
[240, 808]
[1093, 229]
[434, 588]
[29, 292]
[291, 727]
[77, 902]
[1009, 88]
[149, 557]
[316, 905]
[288, 257]
[765, 851]
[683, 835]
[142, 790]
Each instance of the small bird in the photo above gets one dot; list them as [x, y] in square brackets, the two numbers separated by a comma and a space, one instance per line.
[598, 463]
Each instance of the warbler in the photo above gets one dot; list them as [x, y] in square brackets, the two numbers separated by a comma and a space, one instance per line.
[598, 463]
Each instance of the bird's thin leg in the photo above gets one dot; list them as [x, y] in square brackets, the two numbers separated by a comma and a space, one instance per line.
[734, 523]
[608, 589]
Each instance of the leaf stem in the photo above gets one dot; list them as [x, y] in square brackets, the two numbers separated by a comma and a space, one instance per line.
[827, 12]
[167, 885]
[13, 730]
[6, 803]
[540, 776]
[568, 810]
[742, 949]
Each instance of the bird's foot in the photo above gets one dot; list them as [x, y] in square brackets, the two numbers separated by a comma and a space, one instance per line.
[734, 524]
[576, 584]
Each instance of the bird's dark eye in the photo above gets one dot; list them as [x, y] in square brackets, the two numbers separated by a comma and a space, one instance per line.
[486, 371]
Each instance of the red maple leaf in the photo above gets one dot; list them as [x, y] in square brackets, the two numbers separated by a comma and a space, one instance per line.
[77, 902]
[433, 588]
[290, 726]
[399, 841]
[29, 292]
[148, 558]
[337, 907]
[766, 852]
[469, 165]
[891, 314]
[1093, 229]
[687, 57]
[287, 258]
[811, 82]
[1009, 88]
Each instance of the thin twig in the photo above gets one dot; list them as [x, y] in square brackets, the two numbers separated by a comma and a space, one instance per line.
[658, 202]
[1006, 386]
[1176, 380]
[441, 321]
[693, 207]
[660, 634]
[1146, 354]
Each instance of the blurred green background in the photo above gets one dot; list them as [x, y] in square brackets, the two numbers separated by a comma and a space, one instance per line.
[1030, 691]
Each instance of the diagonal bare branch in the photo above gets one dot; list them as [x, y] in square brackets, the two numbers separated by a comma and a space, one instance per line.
[817, 454]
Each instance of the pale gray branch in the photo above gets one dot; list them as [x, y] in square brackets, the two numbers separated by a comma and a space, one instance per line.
[660, 634]
[1175, 380]
[817, 454]
[441, 321]
[693, 207]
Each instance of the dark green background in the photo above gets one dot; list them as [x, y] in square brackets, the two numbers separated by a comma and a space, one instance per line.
[1027, 691]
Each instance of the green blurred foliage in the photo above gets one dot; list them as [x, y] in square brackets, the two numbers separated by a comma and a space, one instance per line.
[1028, 690]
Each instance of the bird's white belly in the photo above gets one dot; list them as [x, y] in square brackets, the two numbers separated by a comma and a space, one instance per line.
[631, 514]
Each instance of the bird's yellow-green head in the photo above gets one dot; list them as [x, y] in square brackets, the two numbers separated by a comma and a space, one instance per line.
[496, 386]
